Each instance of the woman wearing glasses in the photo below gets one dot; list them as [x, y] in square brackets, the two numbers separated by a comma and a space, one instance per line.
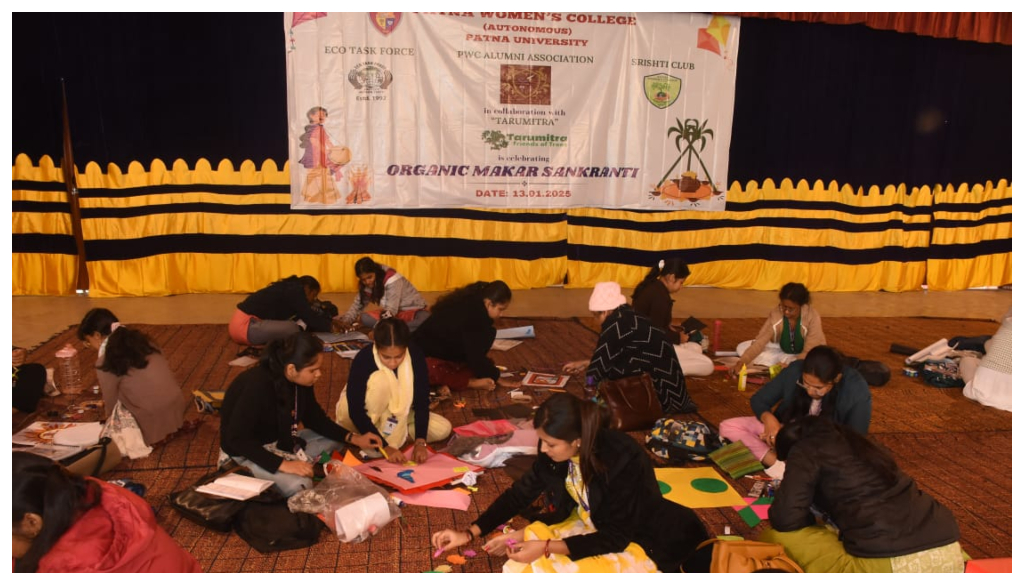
[819, 385]
[791, 330]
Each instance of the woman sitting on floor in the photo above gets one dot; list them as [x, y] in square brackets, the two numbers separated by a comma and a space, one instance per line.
[65, 523]
[629, 345]
[652, 298]
[383, 286]
[387, 382]
[609, 514]
[885, 522]
[133, 373]
[264, 406]
[791, 330]
[459, 333]
[271, 313]
[821, 385]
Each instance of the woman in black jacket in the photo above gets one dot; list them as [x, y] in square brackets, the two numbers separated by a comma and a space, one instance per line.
[264, 408]
[459, 333]
[885, 522]
[609, 515]
[271, 312]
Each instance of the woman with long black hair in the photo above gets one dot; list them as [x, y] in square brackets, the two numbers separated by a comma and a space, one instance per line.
[820, 385]
[66, 523]
[132, 371]
[652, 298]
[837, 479]
[609, 514]
[273, 312]
[264, 406]
[459, 333]
[394, 295]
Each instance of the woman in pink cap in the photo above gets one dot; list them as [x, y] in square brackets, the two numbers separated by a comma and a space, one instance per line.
[630, 345]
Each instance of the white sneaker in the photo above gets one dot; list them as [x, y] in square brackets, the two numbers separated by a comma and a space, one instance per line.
[776, 470]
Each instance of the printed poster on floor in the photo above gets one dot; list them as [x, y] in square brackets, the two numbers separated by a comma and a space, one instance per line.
[510, 110]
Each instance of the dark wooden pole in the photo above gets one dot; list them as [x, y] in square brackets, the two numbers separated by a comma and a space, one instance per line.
[71, 184]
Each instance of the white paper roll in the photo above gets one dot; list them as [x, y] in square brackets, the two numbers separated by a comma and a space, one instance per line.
[354, 519]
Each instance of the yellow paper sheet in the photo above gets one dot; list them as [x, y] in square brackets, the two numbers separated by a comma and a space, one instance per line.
[682, 492]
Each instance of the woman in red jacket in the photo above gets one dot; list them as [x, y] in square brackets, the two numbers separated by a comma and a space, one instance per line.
[65, 523]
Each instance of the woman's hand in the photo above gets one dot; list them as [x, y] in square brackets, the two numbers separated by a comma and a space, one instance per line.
[771, 428]
[500, 544]
[448, 539]
[303, 468]
[509, 383]
[527, 552]
[395, 455]
[420, 452]
[734, 370]
[366, 442]
[577, 367]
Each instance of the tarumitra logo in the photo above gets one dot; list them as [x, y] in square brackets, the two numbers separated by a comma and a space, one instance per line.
[495, 138]
[687, 186]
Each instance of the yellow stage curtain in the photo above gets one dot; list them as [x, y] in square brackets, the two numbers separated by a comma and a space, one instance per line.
[175, 230]
[971, 242]
[828, 237]
[43, 259]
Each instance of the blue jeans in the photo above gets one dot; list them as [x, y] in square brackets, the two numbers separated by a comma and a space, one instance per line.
[289, 483]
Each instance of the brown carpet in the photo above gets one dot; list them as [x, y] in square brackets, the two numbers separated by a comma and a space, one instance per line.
[957, 450]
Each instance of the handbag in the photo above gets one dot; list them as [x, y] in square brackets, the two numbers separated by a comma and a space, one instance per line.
[213, 512]
[94, 460]
[632, 402]
[748, 556]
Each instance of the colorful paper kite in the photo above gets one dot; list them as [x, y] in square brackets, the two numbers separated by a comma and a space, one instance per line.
[300, 17]
[715, 36]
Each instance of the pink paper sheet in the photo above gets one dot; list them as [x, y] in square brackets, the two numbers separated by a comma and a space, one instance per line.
[439, 469]
[485, 428]
[451, 499]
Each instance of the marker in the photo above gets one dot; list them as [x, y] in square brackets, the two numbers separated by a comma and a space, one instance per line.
[438, 552]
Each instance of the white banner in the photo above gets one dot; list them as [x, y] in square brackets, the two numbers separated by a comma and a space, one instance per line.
[510, 109]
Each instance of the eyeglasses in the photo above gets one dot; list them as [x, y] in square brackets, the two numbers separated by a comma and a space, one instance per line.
[788, 310]
[816, 389]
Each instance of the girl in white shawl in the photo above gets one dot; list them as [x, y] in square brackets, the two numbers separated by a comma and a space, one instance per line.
[388, 394]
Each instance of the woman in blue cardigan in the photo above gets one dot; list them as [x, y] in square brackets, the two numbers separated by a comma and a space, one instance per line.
[820, 385]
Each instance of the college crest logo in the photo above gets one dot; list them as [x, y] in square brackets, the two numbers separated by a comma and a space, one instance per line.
[385, 22]
[526, 84]
[662, 90]
[370, 77]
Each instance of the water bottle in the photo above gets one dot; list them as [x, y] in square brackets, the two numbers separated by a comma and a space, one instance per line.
[69, 374]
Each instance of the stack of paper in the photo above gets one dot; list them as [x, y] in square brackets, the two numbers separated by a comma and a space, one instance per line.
[236, 487]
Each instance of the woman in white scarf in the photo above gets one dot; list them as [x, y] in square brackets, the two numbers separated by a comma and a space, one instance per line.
[388, 382]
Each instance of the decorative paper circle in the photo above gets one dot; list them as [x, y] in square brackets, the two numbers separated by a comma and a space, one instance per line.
[709, 485]
[664, 487]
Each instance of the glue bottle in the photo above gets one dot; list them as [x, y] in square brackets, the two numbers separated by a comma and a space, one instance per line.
[69, 375]
[742, 384]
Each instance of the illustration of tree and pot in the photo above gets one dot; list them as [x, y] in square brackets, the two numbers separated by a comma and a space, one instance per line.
[687, 186]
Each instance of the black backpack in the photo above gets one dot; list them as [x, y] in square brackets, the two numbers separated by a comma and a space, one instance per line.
[271, 526]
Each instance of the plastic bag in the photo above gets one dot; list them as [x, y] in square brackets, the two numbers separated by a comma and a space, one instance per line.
[353, 507]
